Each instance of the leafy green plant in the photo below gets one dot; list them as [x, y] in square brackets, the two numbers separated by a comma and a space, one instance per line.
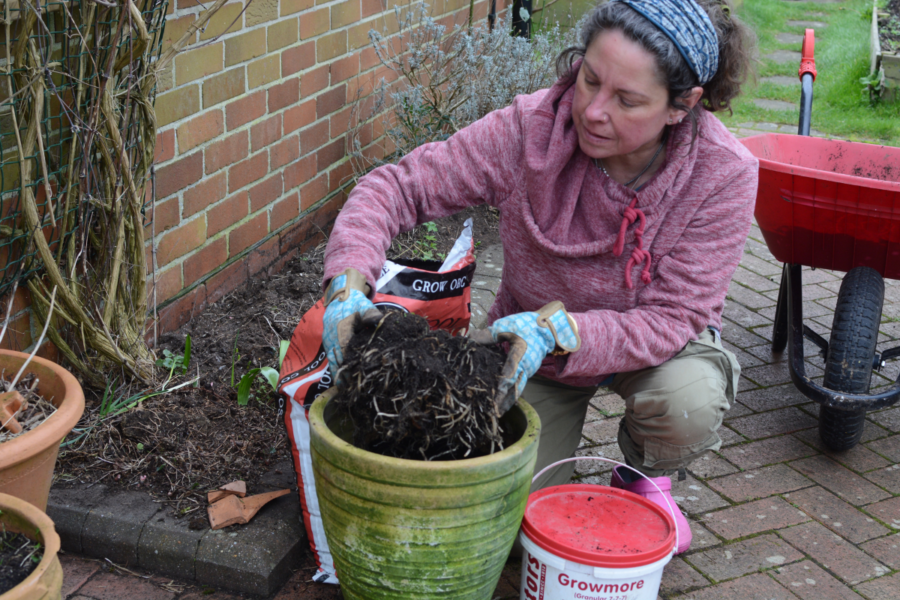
[266, 374]
[872, 85]
[449, 78]
[172, 360]
[429, 240]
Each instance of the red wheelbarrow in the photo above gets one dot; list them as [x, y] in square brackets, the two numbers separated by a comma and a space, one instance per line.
[831, 205]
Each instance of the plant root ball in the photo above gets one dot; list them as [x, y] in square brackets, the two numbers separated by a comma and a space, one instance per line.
[420, 394]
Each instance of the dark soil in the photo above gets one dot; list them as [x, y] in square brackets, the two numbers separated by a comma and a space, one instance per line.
[889, 33]
[420, 394]
[179, 445]
[19, 556]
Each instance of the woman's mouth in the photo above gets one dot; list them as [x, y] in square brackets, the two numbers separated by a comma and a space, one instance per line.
[593, 138]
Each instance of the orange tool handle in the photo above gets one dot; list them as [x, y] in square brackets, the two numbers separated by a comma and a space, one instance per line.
[808, 54]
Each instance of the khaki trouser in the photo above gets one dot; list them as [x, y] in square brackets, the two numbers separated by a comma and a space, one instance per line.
[672, 411]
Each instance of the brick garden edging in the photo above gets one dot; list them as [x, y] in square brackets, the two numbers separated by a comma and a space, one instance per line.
[133, 531]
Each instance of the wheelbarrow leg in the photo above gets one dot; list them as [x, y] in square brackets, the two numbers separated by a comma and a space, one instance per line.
[780, 329]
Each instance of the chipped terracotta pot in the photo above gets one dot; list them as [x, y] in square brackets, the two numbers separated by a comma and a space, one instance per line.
[45, 582]
[410, 529]
[26, 462]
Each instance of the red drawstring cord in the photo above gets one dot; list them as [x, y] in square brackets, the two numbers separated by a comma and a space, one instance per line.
[638, 255]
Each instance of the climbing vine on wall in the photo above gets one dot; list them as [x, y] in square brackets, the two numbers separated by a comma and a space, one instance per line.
[77, 135]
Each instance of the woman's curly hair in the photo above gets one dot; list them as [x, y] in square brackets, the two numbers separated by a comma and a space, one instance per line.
[737, 46]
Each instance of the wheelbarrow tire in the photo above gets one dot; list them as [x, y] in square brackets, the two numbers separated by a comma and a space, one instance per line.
[851, 354]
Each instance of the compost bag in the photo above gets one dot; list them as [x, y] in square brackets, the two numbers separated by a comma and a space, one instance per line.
[440, 292]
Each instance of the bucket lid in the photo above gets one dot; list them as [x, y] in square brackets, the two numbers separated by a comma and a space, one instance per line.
[599, 526]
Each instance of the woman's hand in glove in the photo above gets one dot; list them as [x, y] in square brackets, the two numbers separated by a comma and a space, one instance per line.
[346, 305]
[531, 336]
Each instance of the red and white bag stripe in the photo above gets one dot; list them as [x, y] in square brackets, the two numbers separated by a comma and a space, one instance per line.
[442, 296]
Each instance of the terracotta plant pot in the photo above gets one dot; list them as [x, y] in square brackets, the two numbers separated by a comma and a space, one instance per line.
[45, 582]
[409, 529]
[26, 462]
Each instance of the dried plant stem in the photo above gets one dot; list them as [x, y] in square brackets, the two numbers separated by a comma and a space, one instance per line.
[12, 384]
[9, 305]
[169, 54]
[92, 287]
[112, 237]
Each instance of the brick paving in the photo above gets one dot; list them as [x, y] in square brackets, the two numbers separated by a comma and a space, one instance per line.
[774, 515]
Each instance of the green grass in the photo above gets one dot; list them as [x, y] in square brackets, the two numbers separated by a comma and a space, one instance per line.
[564, 12]
[841, 107]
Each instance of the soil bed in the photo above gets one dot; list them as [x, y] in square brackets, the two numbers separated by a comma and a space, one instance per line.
[179, 445]
[19, 556]
[420, 394]
[889, 33]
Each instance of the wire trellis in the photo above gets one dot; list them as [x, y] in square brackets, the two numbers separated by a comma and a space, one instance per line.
[77, 136]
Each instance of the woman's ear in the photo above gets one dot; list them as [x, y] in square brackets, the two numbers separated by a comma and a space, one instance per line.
[690, 100]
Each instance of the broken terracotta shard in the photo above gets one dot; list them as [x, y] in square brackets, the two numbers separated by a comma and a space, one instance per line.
[232, 510]
[235, 488]
[10, 404]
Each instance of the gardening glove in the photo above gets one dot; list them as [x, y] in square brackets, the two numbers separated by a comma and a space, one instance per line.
[346, 306]
[531, 336]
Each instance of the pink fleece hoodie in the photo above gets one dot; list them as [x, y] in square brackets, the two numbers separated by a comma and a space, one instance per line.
[560, 220]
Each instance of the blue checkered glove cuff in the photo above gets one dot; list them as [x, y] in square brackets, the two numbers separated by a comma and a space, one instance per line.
[532, 336]
[346, 302]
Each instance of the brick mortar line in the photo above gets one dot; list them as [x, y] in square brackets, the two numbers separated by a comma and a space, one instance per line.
[221, 106]
[828, 570]
[204, 214]
[243, 253]
[244, 64]
[179, 195]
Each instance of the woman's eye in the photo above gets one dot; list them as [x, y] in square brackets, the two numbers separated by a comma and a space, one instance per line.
[626, 103]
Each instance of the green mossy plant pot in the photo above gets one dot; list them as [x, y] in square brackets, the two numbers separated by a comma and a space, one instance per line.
[408, 529]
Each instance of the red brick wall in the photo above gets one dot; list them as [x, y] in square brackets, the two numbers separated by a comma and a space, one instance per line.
[250, 162]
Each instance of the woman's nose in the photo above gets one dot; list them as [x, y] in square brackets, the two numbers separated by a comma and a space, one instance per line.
[597, 110]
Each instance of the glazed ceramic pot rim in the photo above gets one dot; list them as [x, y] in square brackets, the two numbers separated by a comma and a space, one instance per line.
[317, 414]
[57, 426]
[44, 524]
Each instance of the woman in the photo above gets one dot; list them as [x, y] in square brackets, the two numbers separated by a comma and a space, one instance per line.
[621, 196]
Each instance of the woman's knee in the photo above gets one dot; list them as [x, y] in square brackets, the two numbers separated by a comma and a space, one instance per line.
[686, 401]
[673, 411]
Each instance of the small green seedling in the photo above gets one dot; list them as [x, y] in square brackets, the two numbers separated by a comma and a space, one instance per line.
[267, 373]
[113, 403]
[430, 240]
[235, 357]
[173, 361]
[283, 346]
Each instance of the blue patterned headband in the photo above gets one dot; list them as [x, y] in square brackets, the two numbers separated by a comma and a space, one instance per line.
[688, 26]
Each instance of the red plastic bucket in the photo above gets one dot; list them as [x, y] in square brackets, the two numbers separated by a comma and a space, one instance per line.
[592, 542]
